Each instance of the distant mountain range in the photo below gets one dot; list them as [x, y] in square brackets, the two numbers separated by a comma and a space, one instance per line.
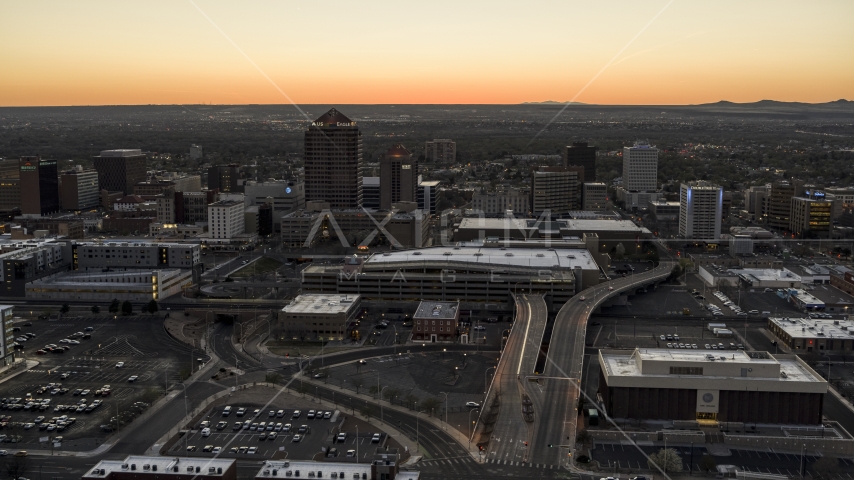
[722, 103]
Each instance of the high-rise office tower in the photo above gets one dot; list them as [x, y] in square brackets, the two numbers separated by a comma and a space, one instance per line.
[778, 203]
[398, 177]
[700, 210]
[440, 150]
[79, 189]
[554, 190]
[640, 167]
[224, 178]
[333, 161]
[120, 170]
[582, 155]
[39, 186]
[371, 192]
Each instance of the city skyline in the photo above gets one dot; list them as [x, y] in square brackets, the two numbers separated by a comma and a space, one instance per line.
[621, 53]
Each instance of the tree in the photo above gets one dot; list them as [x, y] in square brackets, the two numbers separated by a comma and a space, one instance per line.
[431, 404]
[16, 467]
[667, 460]
[65, 308]
[127, 308]
[374, 390]
[115, 305]
[620, 251]
[96, 309]
[583, 436]
[367, 411]
[272, 378]
[358, 384]
[152, 306]
[390, 393]
[410, 400]
[302, 388]
[707, 463]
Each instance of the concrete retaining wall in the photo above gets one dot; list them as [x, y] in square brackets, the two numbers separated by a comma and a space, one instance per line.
[793, 444]
[615, 436]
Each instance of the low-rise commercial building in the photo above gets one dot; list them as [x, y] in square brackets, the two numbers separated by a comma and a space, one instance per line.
[138, 467]
[436, 321]
[730, 386]
[498, 203]
[135, 285]
[130, 255]
[25, 265]
[320, 315]
[768, 278]
[385, 465]
[805, 335]
[664, 210]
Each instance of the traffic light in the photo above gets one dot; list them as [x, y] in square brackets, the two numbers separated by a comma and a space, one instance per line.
[480, 447]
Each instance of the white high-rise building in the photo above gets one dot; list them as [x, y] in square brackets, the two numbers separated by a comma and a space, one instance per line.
[640, 167]
[226, 219]
[700, 210]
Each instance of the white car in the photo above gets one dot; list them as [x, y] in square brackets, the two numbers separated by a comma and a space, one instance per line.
[375, 438]
[472, 404]
[297, 438]
[120, 364]
[133, 378]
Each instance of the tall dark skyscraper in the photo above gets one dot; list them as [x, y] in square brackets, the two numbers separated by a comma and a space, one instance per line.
[333, 161]
[224, 178]
[581, 155]
[120, 170]
[398, 177]
[39, 186]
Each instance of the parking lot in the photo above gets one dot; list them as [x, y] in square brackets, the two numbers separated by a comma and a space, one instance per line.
[83, 383]
[285, 434]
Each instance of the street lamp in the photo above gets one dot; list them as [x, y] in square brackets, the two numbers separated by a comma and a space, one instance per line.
[186, 412]
[446, 408]
[486, 376]
[470, 424]
[417, 445]
[380, 401]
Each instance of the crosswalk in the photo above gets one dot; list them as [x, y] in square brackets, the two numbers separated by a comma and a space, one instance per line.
[462, 461]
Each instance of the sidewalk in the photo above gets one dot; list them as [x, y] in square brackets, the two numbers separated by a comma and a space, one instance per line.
[17, 368]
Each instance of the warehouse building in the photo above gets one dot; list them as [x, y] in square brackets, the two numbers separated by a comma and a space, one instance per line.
[710, 387]
[804, 335]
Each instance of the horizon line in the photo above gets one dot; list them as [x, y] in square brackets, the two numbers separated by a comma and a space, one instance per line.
[545, 102]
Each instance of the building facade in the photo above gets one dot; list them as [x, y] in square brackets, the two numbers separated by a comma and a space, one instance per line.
[79, 189]
[138, 285]
[640, 167]
[333, 161]
[398, 177]
[710, 386]
[224, 178]
[7, 336]
[580, 154]
[39, 186]
[777, 207]
[436, 321]
[441, 151]
[132, 255]
[498, 203]
[371, 192]
[428, 191]
[554, 190]
[225, 219]
[120, 170]
[594, 196]
[700, 211]
[20, 267]
[811, 216]
[320, 315]
[284, 196]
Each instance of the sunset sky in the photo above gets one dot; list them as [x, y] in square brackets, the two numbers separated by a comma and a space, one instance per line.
[464, 51]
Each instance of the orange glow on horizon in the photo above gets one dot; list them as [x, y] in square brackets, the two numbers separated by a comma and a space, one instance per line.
[97, 52]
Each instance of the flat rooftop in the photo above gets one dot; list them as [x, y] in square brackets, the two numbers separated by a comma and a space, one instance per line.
[121, 152]
[591, 225]
[814, 328]
[317, 303]
[567, 258]
[437, 310]
[347, 471]
[162, 465]
[831, 296]
[785, 368]
[765, 274]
